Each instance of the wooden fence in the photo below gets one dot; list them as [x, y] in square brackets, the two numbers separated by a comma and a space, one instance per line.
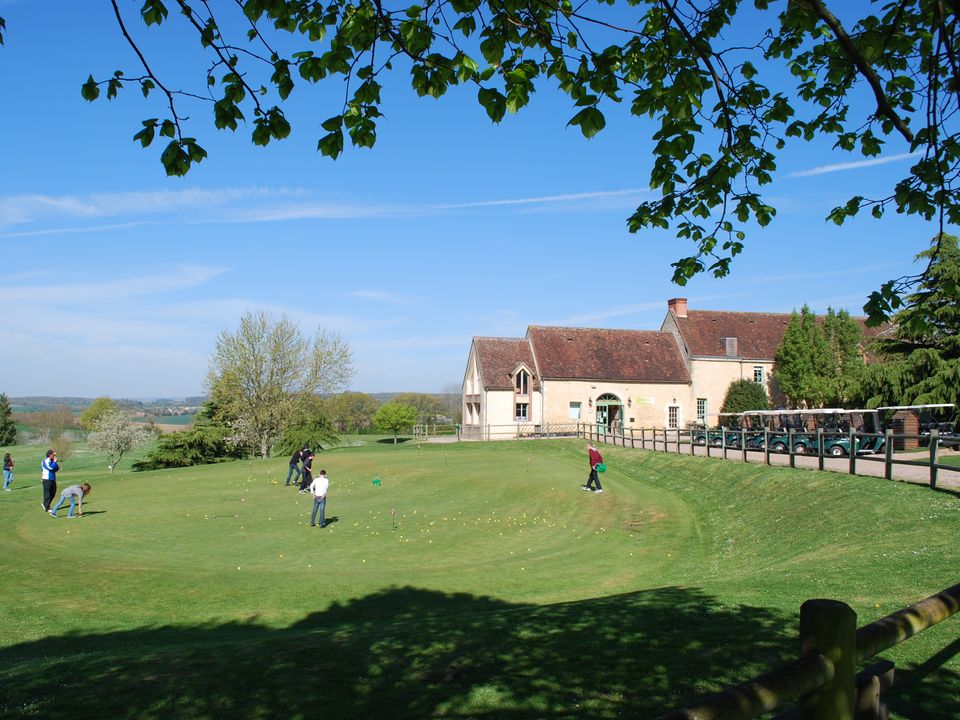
[681, 440]
[823, 683]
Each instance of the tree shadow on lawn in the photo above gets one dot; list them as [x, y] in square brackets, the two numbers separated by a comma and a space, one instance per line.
[411, 653]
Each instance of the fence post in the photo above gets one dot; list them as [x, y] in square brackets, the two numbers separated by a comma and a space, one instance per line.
[766, 446]
[793, 458]
[643, 438]
[743, 444]
[829, 628]
[934, 451]
[820, 448]
[888, 455]
[678, 441]
[723, 442]
[854, 443]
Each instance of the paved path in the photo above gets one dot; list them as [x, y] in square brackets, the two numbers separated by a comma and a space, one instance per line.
[867, 465]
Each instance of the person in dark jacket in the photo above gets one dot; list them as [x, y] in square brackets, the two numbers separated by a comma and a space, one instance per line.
[307, 477]
[294, 467]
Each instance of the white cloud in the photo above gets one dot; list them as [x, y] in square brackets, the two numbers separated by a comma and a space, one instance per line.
[240, 205]
[855, 165]
[570, 197]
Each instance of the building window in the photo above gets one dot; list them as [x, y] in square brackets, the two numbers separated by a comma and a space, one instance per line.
[574, 411]
[702, 411]
[673, 417]
[758, 374]
[523, 382]
[521, 412]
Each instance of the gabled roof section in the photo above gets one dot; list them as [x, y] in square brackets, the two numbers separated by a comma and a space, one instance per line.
[758, 334]
[498, 358]
[597, 354]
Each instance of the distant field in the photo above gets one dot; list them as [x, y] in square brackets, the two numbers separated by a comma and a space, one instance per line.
[473, 580]
[168, 419]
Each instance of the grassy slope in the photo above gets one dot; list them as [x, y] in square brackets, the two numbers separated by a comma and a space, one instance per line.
[202, 592]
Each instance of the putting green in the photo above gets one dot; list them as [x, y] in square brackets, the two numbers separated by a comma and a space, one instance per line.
[495, 547]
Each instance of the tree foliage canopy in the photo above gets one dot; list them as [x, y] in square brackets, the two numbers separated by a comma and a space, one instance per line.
[708, 79]
[115, 435]
[744, 395]
[350, 411]
[98, 408]
[920, 363]
[8, 429]
[395, 417]
[264, 371]
[202, 444]
[819, 362]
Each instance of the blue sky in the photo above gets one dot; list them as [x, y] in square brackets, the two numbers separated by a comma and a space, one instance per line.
[115, 280]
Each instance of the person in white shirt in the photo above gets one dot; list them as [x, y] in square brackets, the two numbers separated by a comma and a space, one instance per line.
[319, 488]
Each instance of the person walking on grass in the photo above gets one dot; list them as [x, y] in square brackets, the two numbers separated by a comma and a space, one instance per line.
[48, 478]
[307, 472]
[319, 489]
[7, 471]
[595, 459]
[295, 467]
[76, 493]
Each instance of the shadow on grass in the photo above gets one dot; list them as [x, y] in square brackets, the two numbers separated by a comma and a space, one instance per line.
[393, 441]
[411, 653]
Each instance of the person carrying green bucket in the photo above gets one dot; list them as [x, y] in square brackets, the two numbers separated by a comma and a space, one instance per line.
[596, 465]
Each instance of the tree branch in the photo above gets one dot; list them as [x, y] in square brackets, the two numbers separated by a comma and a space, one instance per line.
[866, 69]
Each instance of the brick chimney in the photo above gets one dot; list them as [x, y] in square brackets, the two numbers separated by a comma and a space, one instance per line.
[678, 306]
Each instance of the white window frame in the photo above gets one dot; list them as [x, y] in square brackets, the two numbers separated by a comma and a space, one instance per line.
[758, 374]
[675, 411]
[575, 410]
[526, 412]
[702, 410]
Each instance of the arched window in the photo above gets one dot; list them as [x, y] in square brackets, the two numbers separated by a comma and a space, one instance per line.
[523, 382]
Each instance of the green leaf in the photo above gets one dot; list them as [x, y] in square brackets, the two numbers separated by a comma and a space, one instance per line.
[589, 120]
[153, 12]
[331, 144]
[493, 102]
[332, 124]
[90, 91]
[146, 135]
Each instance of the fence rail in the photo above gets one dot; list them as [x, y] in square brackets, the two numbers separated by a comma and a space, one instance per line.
[823, 682]
[678, 440]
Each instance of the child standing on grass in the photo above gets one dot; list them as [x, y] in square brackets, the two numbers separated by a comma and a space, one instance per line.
[76, 493]
[7, 471]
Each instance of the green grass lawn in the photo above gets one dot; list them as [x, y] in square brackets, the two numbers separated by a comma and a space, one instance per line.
[475, 581]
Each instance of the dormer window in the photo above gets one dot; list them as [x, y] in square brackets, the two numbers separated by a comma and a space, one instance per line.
[522, 382]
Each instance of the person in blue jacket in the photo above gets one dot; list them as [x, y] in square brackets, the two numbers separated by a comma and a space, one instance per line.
[48, 478]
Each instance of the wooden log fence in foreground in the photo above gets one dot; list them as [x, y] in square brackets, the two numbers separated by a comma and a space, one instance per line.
[822, 683]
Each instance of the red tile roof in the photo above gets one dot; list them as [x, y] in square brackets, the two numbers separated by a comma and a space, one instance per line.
[499, 357]
[758, 334]
[597, 354]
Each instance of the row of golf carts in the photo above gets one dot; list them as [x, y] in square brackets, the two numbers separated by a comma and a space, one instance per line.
[802, 431]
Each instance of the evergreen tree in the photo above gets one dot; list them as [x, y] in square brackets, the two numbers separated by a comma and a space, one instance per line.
[743, 395]
[845, 339]
[803, 361]
[921, 362]
[8, 430]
